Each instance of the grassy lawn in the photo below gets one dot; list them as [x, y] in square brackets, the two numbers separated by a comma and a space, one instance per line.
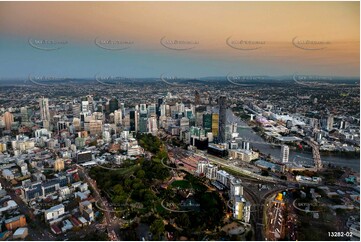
[184, 184]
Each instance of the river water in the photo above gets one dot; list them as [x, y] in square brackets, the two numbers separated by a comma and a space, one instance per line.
[295, 155]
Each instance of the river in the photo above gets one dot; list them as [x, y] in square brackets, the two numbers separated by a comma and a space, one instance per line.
[295, 155]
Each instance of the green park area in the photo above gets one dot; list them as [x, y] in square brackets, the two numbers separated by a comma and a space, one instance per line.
[140, 182]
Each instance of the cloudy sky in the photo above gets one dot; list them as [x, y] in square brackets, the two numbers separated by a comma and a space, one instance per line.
[187, 39]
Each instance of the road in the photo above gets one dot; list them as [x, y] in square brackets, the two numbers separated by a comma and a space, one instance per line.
[111, 227]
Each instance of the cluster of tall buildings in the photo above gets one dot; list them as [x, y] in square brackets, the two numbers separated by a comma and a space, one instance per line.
[223, 180]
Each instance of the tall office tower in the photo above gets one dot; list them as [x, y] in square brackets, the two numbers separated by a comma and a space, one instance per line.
[85, 106]
[24, 115]
[44, 109]
[285, 151]
[330, 122]
[160, 102]
[152, 125]
[184, 124]
[8, 120]
[188, 112]
[113, 105]
[179, 107]
[197, 98]
[143, 118]
[76, 124]
[95, 127]
[222, 118]
[207, 122]
[152, 110]
[162, 110]
[122, 108]
[167, 110]
[133, 120]
[118, 117]
[215, 124]
[76, 109]
[90, 101]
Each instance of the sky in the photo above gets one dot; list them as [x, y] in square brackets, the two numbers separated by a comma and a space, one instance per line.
[183, 39]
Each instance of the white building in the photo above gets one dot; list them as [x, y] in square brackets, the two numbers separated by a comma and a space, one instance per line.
[211, 171]
[54, 212]
[201, 167]
[236, 188]
[285, 152]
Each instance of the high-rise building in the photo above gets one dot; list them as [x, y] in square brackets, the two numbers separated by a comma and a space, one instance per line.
[85, 106]
[215, 124]
[207, 122]
[197, 98]
[122, 108]
[236, 188]
[118, 117]
[90, 101]
[285, 151]
[95, 127]
[44, 109]
[330, 122]
[184, 124]
[160, 102]
[188, 112]
[152, 125]
[211, 171]
[24, 115]
[152, 110]
[222, 118]
[113, 105]
[8, 120]
[143, 118]
[133, 120]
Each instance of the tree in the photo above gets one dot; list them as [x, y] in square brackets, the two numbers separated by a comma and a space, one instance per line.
[157, 227]
[140, 174]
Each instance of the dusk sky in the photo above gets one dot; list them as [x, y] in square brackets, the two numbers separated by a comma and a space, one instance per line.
[278, 33]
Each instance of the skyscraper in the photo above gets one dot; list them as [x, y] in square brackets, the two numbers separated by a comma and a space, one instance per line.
[8, 120]
[207, 122]
[143, 118]
[330, 122]
[285, 151]
[118, 117]
[152, 110]
[197, 98]
[24, 115]
[222, 118]
[215, 124]
[44, 109]
[113, 105]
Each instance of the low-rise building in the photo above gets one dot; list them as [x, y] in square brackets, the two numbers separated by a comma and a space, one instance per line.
[54, 212]
[15, 222]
